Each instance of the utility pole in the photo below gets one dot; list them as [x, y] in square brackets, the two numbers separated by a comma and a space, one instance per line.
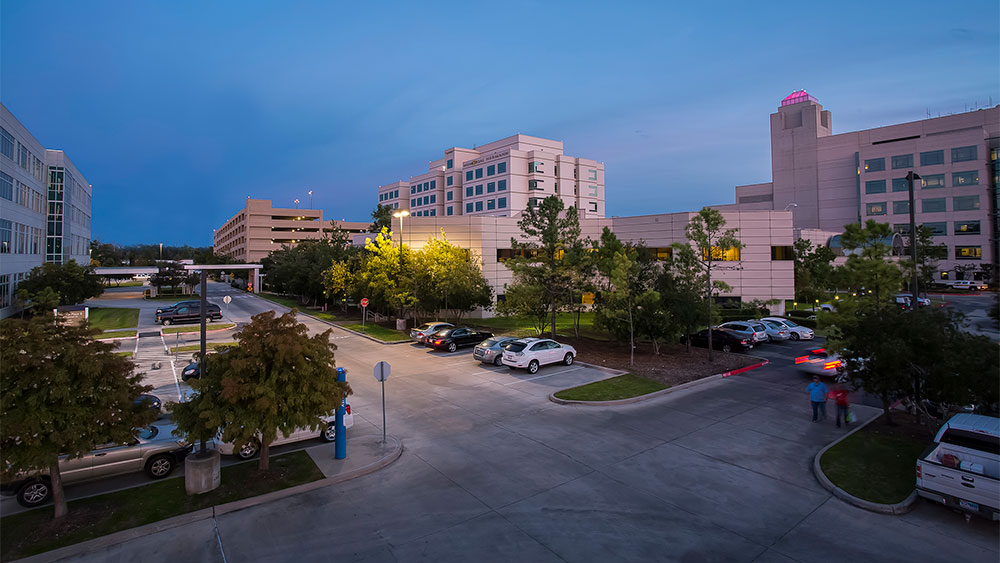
[910, 177]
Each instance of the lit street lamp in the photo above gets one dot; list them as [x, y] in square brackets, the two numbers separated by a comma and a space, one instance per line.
[310, 199]
[296, 203]
[910, 177]
[401, 214]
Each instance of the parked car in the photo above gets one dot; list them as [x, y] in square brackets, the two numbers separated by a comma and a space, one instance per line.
[904, 299]
[795, 330]
[191, 371]
[776, 332]
[150, 401]
[178, 304]
[452, 339]
[970, 285]
[154, 450]
[532, 353]
[725, 340]
[421, 332]
[188, 313]
[821, 362]
[490, 351]
[327, 431]
[961, 469]
[744, 330]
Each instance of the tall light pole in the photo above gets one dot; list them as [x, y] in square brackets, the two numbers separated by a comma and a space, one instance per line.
[296, 203]
[910, 177]
[310, 199]
[401, 214]
[161, 251]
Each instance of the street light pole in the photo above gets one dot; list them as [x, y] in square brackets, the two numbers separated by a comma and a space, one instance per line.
[910, 177]
[296, 203]
[310, 199]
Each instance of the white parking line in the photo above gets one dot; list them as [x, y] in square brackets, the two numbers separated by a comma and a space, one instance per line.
[173, 369]
[541, 376]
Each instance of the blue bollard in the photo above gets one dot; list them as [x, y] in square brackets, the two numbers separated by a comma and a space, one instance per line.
[340, 443]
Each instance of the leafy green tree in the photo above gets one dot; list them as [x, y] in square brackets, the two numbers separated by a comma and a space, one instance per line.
[523, 299]
[928, 255]
[680, 285]
[446, 276]
[379, 275]
[276, 379]
[579, 258]
[548, 233]
[43, 301]
[74, 283]
[339, 279]
[814, 272]
[173, 275]
[381, 218]
[629, 274]
[104, 254]
[652, 320]
[298, 270]
[62, 394]
[868, 270]
[712, 242]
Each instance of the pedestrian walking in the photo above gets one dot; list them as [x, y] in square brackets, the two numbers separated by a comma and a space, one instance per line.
[839, 396]
[817, 396]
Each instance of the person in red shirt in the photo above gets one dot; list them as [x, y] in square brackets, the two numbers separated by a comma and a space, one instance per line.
[839, 396]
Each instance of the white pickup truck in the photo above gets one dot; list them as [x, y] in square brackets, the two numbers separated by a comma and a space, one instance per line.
[961, 469]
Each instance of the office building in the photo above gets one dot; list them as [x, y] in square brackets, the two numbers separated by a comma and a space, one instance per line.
[258, 229]
[828, 180]
[500, 179]
[45, 208]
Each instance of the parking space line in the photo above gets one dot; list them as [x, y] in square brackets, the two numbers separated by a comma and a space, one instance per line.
[173, 369]
[541, 376]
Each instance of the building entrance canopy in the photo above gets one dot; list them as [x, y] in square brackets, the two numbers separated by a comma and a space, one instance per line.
[136, 270]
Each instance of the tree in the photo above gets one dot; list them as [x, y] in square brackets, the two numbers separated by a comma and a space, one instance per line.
[74, 283]
[276, 379]
[445, 276]
[548, 234]
[379, 276]
[299, 269]
[868, 270]
[523, 299]
[712, 242]
[381, 218]
[928, 254]
[63, 393]
[679, 285]
[814, 271]
[173, 275]
[629, 274]
[104, 254]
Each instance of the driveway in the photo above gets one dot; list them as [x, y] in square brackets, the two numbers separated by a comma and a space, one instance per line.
[493, 471]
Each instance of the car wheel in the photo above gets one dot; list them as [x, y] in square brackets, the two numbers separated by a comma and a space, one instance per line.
[330, 433]
[452, 347]
[795, 336]
[160, 466]
[34, 493]
[248, 450]
[166, 322]
[498, 361]
[568, 359]
[727, 348]
[533, 366]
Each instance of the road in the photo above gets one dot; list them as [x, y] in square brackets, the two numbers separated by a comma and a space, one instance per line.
[493, 471]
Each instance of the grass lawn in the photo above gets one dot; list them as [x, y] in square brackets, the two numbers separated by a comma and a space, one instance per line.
[174, 298]
[521, 326]
[116, 334]
[197, 328]
[621, 387]
[125, 284]
[293, 303]
[126, 354]
[379, 332]
[110, 318]
[34, 531]
[876, 463]
[197, 347]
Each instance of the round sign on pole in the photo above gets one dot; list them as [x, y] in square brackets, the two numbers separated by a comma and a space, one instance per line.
[227, 299]
[364, 301]
[381, 371]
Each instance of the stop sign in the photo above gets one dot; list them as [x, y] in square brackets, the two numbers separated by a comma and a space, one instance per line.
[364, 302]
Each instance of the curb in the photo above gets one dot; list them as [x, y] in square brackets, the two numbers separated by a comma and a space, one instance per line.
[654, 394]
[356, 333]
[896, 509]
[207, 332]
[123, 536]
[117, 338]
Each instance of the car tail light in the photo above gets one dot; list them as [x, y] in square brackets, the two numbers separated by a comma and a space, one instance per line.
[438, 341]
[832, 365]
[802, 359]
[743, 342]
[348, 408]
[818, 351]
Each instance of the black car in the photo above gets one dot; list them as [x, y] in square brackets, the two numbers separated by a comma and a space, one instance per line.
[176, 305]
[188, 313]
[150, 401]
[451, 338]
[721, 340]
[191, 371]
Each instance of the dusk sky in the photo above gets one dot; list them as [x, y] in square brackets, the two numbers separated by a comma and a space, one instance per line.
[176, 111]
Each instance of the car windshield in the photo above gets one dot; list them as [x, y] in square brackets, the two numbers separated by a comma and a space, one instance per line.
[790, 323]
[425, 326]
[774, 325]
[147, 432]
[516, 346]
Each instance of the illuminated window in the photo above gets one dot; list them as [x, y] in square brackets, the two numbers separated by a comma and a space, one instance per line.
[873, 209]
[932, 181]
[782, 253]
[967, 227]
[970, 178]
[968, 252]
[490, 204]
[724, 255]
[945, 275]
[901, 228]
[902, 161]
[875, 165]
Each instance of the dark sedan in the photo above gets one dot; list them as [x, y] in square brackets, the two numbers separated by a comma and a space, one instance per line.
[451, 338]
[721, 340]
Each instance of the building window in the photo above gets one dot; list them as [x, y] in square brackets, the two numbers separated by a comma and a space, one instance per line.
[937, 229]
[479, 206]
[875, 165]
[450, 210]
[931, 158]
[901, 228]
[468, 191]
[593, 174]
[5, 236]
[450, 181]
[501, 185]
[965, 203]
[534, 168]
[6, 143]
[479, 173]
[900, 207]
[945, 274]
[6, 186]
[970, 178]
[433, 212]
[875, 187]
[502, 203]
[963, 154]
[535, 185]
[427, 186]
[451, 196]
[876, 209]
[936, 205]
[468, 207]
[479, 189]
[434, 184]
[593, 206]
[782, 253]
[491, 170]
[433, 198]
[490, 204]
[451, 164]
[902, 161]
[731, 254]
[501, 167]
[932, 181]
[968, 252]
[967, 227]
[491, 187]
[900, 185]
[5, 290]
[413, 189]
[468, 174]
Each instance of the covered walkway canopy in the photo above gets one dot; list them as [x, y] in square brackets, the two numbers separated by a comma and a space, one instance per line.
[136, 270]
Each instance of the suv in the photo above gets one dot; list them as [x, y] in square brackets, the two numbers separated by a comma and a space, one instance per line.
[195, 302]
[746, 330]
[970, 285]
[155, 450]
[188, 313]
[530, 353]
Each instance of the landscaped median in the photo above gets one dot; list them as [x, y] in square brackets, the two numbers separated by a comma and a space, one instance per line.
[612, 389]
[113, 334]
[196, 328]
[197, 347]
[377, 331]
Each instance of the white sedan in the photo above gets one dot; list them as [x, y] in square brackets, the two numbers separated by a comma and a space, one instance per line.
[821, 362]
[327, 430]
[795, 331]
[531, 353]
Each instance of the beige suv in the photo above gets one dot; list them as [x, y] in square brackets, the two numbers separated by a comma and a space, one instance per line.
[155, 450]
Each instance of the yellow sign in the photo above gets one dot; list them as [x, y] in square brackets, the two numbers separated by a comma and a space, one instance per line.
[588, 298]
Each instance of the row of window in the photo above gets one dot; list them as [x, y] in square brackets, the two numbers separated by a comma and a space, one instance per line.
[24, 158]
[426, 213]
[426, 186]
[491, 170]
[491, 204]
[935, 205]
[929, 158]
[940, 228]
[425, 200]
[16, 238]
[388, 195]
[927, 182]
[5, 289]
[491, 187]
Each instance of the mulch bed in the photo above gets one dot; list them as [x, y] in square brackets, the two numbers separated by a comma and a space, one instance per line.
[673, 366]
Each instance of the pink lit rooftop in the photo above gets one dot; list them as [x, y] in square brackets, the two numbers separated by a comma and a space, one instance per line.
[796, 97]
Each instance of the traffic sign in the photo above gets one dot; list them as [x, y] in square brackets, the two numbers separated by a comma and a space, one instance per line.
[364, 302]
[381, 371]
[227, 300]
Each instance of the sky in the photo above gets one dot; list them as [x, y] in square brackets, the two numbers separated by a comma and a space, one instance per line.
[176, 111]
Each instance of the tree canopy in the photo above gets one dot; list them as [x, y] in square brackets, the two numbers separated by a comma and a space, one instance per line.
[71, 281]
[298, 269]
[713, 242]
